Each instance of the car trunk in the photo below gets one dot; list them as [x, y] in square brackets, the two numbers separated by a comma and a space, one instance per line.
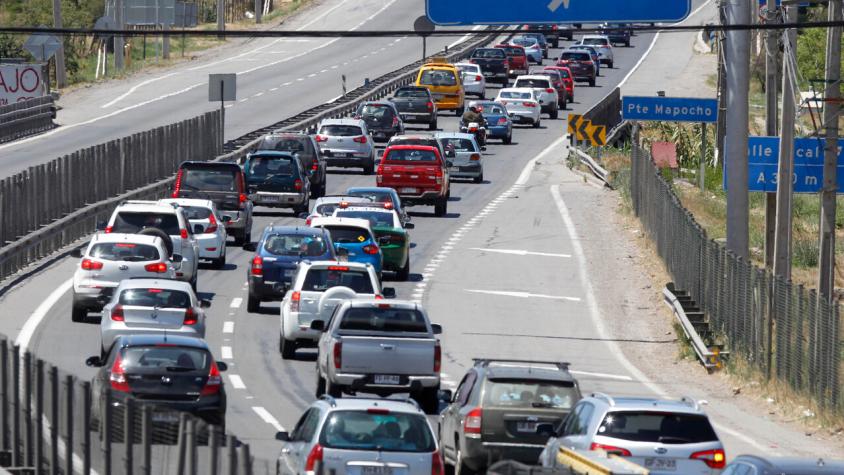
[225, 200]
[277, 271]
[138, 316]
[517, 424]
[392, 354]
[408, 178]
[411, 105]
[514, 407]
[357, 462]
[168, 385]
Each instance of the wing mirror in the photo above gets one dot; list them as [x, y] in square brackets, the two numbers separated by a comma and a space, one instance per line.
[483, 148]
[318, 325]
[94, 362]
[204, 303]
[222, 366]
[449, 163]
[77, 253]
[303, 215]
[226, 218]
[384, 240]
[177, 258]
[436, 329]
[282, 436]
[409, 225]
[445, 395]
[388, 292]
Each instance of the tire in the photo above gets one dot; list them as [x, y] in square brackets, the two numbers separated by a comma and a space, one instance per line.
[441, 208]
[320, 385]
[610, 64]
[459, 111]
[286, 347]
[432, 125]
[478, 179]
[221, 261]
[537, 124]
[78, 314]
[369, 168]
[554, 113]
[333, 390]
[556, 43]
[428, 400]
[302, 208]
[403, 274]
[168, 242]
[571, 99]
[459, 467]
[592, 82]
[627, 43]
[508, 139]
[253, 304]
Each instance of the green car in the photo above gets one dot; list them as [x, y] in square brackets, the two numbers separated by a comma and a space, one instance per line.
[392, 237]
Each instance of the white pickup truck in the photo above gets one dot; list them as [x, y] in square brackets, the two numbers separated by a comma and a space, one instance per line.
[381, 347]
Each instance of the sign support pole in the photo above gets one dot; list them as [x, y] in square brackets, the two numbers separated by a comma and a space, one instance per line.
[222, 117]
[61, 77]
[118, 39]
[702, 172]
[771, 110]
[785, 168]
[221, 18]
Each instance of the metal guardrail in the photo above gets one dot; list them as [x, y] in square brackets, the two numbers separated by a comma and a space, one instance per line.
[600, 172]
[26, 118]
[710, 357]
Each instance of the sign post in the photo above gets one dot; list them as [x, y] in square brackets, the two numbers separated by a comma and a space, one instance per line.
[222, 87]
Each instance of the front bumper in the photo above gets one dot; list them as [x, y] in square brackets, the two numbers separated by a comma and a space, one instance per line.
[497, 131]
[278, 200]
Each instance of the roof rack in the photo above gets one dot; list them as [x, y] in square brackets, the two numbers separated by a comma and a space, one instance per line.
[407, 399]
[329, 399]
[605, 397]
[562, 365]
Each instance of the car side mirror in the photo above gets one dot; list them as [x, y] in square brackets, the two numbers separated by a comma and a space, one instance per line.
[436, 329]
[77, 253]
[303, 215]
[409, 225]
[204, 303]
[282, 436]
[449, 163]
[388, 292]
[318, 325]
[384, 240]
[450, 154]
[198, 229]
[445, 395]
[483, 149]
[103, 299]
[176, 258]
[94, 362]
[250, 246]
[222, 366]
[226, 218]
[545, 430]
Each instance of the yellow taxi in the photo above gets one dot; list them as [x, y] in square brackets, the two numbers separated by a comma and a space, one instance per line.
[443, 80]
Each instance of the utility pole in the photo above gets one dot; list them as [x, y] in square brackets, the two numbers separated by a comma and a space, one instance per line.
[221, 16]
[720, 126]
[118, 39]
[259, 11]
[61, 78]
[771, 110]
[737, 128]
[785, 168]
[832, 96]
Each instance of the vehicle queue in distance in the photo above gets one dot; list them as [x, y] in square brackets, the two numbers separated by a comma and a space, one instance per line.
[141, 272]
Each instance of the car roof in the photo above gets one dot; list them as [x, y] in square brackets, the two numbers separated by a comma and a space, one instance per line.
[378, 103]
[197, 202]
[367, 208]
[194, 163]
[342, 121]
[515, 89]
[592, 37]
[403, 304]
[362, 404]
[284, 135]
[349, 264]
[333, 221]
[519, 369]
[633, 403]
[140, 206]
[338, 199]
[126, 237]
[365, 189]
[155, 284]
[532, 76]
[803, 466]
[272, 153]
[454, 135]
[158, 338]
[295, 230]
[411, 137]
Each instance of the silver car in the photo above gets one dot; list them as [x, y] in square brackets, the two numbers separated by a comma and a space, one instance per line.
[361, 436]
[150, 306]
[602, 45]
[664, 436]
[346, 143]
[468, 160]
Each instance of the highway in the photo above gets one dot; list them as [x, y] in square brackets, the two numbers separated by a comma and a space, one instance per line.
[528, 264]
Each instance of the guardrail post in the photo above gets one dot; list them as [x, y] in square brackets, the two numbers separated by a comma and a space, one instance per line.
[55, 419]
[106, 430]
[146, 435]
[69, 414]
[129, 436]
[16, 406]
[246, 459]
[214, 449]
[39, 415]
[86, 428]
[182, 443]
[231, 454]
[4, 393]
[191, 446]
[27, 407]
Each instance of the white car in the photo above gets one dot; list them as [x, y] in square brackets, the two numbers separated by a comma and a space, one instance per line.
[326, 205]
[473, 79]
[136, 215]
[111, 258]
[602, 44]
[207, 226]
[140, 306]
[549, 99]
[522, 104]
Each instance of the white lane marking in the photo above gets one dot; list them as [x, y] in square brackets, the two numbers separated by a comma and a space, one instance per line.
[287, 84]
[522, 295]
[602, 375]
[228, 327]
[464, 37]
[236, 381]
[226, 353]
[268, 418]
[236, 302]
[312, 75]
[519, 252]
[258, 94]
[273, 89]
[38, 315]
[133, 89]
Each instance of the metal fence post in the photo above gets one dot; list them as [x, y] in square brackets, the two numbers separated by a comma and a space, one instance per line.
[246, 460]
[231, 454]
[129, 436]
[16, 406]
[4, 393]
[55, 419]
[106, 431]
[182, 443]
[214, 449]
[39, 414]
[69, 415]
[146, 439]
[27, 405]
[191, 446]
[86, 428]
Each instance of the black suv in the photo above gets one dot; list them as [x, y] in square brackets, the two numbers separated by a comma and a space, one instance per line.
[382, 119]
[305, 147]
[497, 411]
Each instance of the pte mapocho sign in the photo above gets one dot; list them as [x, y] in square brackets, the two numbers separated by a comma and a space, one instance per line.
[19, 82]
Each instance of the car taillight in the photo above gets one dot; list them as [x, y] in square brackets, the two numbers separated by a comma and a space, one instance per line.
[308, 221]
[321, 138]
[312, 465]
[214, 383]
[212, 224]
[178, 185]
[242, 198]
[183, 233]
[297, 184]
[117, 314]
[117, 376]
[610, 449]
[315, 166]
[715, 458]
[338, 354]
[361, 139]
[370, 249]
[472, 423]
[478, 77]
[257, 265]
[430, 106]
[157, 267]
[395, 121]
[190, 317]
[438, 357]
[502, 121]
[109, 229]
[438, 173]
[549, 90]
[437, 467]
[294, 301]
[475, 157]
[529, 104]
[379, 173]
[88, 264]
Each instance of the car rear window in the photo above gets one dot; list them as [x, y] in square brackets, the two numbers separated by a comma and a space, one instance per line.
[573, 56]
[165, 298]
[594, 41]
[515, 95]
[165, 358]
[410, 155]
[375, 218]
[341, 130]
[528, 42]
[124, 251]
[382, 431]
[298, 145]
[460, 145]
[428, 142]
[209, 179]
[384, 319]
[377, 196]
[322, 279]
[543, 83]
[196, 212]
[652, 426]
[438, 77]
[295, 245]
[416, 93]
[132, 222]
[563, 73]
[347, 234]
[489, 53]
[537, 393]
[266, 167]
[492, 109]
[376, 111]
[514, 51]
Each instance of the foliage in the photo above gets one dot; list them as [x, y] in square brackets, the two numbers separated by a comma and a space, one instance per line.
[811, 52]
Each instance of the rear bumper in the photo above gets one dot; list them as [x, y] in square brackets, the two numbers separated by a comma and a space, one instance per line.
[363, 382]
[279, 200]
[479, 455]
[383, 135]
[267, 290]
[497, 131]
[468, 171]
[417, 117]
[425, 198]
[448, 104]
[89, 299]
[210, 246]
[355, 160]
[211, 409]
[299, 329]
[394, 258]
[238, 219]
[525, 117]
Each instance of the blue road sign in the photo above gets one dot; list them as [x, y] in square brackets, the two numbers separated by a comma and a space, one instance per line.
[778, 3]
[670, 109]
[763, 155]
[508, 12]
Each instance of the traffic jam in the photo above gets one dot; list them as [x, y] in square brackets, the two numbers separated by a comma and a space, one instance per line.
[379, 405]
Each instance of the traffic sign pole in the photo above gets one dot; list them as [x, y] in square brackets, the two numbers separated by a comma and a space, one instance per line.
[785, 188]
[771, 111]
[61, 78]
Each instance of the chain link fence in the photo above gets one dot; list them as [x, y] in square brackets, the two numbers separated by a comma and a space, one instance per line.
[772, 326]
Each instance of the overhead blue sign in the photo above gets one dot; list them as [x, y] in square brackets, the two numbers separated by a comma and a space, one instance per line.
[509, 12]
[670, 109]
[763, 155]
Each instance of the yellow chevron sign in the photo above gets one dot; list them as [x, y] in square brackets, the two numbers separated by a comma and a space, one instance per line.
[597, 135]
[576, 124]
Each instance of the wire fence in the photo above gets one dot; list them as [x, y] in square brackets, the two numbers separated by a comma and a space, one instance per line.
[772, 326]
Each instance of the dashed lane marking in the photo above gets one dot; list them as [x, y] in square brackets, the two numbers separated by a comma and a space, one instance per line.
[523, 295]
[268, 418]
[236, 381]
[236, 302]
[228, 327]
[602, 375]
[519, 252]
[226, 353]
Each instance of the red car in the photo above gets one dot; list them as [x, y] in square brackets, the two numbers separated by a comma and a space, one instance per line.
[568, 80]
[518, 59]
[418, 174]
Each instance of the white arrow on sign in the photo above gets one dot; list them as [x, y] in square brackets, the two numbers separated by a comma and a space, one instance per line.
[556, 4]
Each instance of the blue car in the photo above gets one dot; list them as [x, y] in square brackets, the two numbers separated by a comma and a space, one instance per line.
[353, 240]
[499, 125]
[277, 257]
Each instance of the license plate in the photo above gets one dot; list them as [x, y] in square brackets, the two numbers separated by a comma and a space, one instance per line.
[350, 155]
[454, 169]
[269, 198]
[386, 379]
[661, 464]
[165, 417]
[375, 470]
[526, 427]
[408, 190]
[289, 272]
[487, 73]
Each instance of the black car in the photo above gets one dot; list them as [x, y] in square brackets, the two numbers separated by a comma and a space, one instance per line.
[277, 257]
[416, 105]
[278, 180]
[382, 119]
[551, 32]
[617, 33]
[305, 147]
[494, 64]
[174, 373]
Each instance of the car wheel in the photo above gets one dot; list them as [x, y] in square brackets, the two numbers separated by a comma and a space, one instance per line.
[571, 99]
[404, 273]
[333, 390]
[610, 64]
[432, 125]
[220, 262]
[369, 169]
[459, 111]
[627, 44]
[479, 178]
[253, 304]
[554, 113]
[320, 385]
[508, 139]
[286, 347]
[556, 43]
[592, 82]
[460, 468]
[537, 124]
[441, 208]
[78, 314]
[428, 399]
[303, 208]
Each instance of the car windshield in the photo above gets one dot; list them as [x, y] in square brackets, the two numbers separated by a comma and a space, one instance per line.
[540, 83]
[130, 223]
[376, 196]
[295, 245]
[124, 251]
[298, 145]
[460, 145]
[167, 298]
[322, 279]
[165, 357]
[438, 77]
[383, 431]
[267, 167]
[209, 179]
[375, 218]
[489, 53]
[515, 95]
[378, 111]
[348, 234]
[341, 130]
[573, 56]
[426, 141]
[385, 319]
[652, 426]
[415, 93]
[196, 212]
[539, 393]
[410, 155]
[526, 42]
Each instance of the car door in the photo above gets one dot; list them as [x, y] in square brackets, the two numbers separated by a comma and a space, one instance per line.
[295, 451]
[450, 428]
[576, 430]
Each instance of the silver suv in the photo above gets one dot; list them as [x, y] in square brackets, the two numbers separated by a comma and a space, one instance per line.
[346, 143]
[361, 436]
[664, 436]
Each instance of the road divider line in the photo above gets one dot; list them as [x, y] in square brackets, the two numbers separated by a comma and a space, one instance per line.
[236, 381]
[519, 252]
[31, 324]
[228, 327]
[226, 353]
[268, 418]
[236, 302]
[602, 375]
[133, 89]
[522, 295]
